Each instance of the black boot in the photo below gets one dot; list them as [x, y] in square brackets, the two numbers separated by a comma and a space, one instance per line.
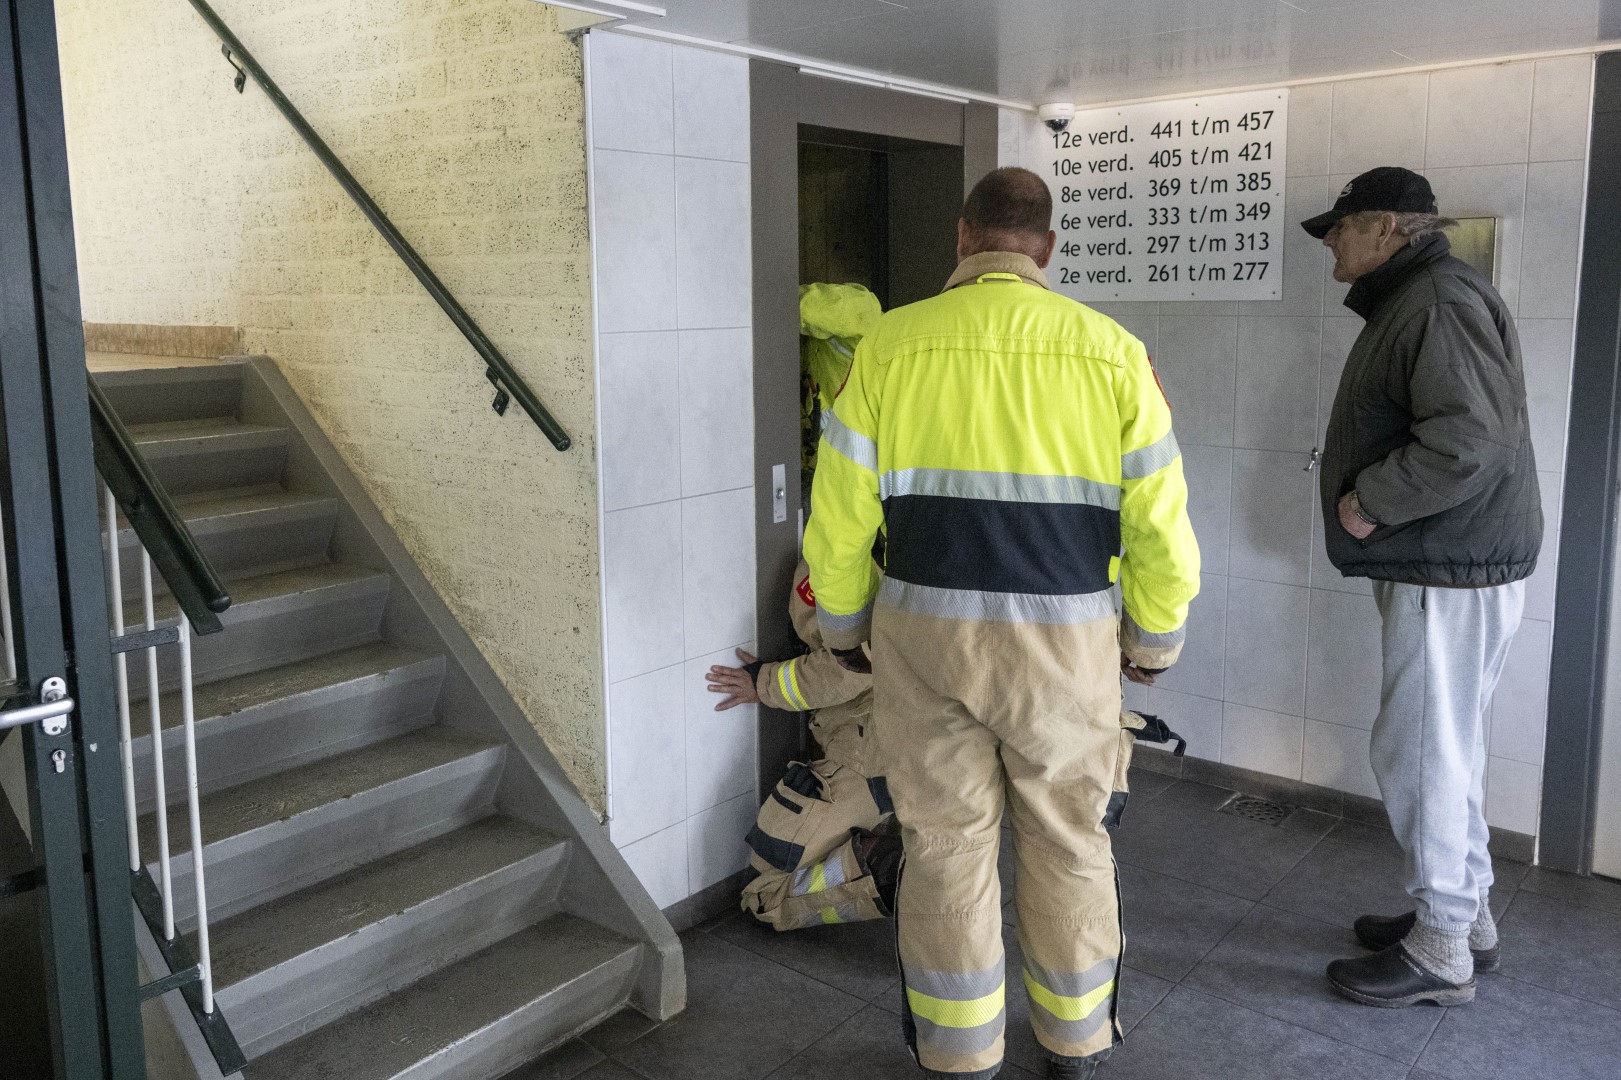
[1383, 931]
[1077, 1068]
[1391, 979]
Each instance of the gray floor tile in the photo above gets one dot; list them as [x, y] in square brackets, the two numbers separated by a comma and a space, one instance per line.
[1559, 946]
[622, 1028]
[858, 959]
[1193, 1035]
[1420, 1074]
[1593, 892]
[745, 1017]
[1172, 924]
[610, 1070]
[870, 1046]
[1339, 880]
[1351, 874]
[1180, 833]
[1145, 785]
[1514, 1030]
[1273, 963]
[563, 1063]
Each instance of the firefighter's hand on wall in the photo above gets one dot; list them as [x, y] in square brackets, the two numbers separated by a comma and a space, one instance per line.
[735, 682]
[1141, 676]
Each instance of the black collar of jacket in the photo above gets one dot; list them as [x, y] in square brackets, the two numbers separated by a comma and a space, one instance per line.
[1371, 289]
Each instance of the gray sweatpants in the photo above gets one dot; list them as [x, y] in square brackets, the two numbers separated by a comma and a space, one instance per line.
[1443, 652]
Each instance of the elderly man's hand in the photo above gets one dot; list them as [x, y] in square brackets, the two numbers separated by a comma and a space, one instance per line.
[735, 682]
[1351, 521]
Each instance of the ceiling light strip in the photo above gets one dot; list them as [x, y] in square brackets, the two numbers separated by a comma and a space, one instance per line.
[1355, 76]
[822, 69]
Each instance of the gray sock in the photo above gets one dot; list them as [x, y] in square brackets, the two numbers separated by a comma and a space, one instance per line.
[1483, 932]
[1440, 953]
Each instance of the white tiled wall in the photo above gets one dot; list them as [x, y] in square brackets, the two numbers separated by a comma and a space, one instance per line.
[1282, 666]
[669, 135]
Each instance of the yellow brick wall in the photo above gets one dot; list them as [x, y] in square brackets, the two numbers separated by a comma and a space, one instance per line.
[464, 118]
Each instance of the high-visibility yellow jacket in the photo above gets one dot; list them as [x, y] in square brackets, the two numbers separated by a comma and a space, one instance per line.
[1017, 450]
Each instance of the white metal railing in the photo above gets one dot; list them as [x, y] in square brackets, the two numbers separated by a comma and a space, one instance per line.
[165, 876]
[8, 647]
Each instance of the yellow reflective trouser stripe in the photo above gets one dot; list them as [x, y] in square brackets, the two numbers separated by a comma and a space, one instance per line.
[818, 883]
[1068, 1008]
[788, 683]
[957, 1014]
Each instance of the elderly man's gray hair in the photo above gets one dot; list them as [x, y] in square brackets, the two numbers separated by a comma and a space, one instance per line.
[1412, 227]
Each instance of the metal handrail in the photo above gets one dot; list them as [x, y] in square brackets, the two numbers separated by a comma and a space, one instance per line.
[196, 587]
[497, 369]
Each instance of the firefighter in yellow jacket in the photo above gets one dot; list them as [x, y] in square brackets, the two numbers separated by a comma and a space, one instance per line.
[1017, 451]
[814, 857]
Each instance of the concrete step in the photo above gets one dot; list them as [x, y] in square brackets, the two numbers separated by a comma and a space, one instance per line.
[273, 836]
[474, 1020]
[157, 395]
[287, 967]
[270, 721]
[213, 454]
[243, 534]
[274, 619]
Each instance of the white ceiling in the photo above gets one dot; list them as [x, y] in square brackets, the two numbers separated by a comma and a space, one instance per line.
[1108, 50]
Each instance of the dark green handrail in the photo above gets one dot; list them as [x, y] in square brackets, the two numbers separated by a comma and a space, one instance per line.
[197, 589]
[497, 369]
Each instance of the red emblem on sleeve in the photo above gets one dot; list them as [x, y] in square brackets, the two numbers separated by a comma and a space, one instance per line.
[1155, 372]
[805, 593]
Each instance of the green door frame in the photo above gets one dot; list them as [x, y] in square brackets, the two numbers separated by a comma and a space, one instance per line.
[59, 595]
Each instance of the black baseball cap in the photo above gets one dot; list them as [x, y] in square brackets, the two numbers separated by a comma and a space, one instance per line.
[1387, 188]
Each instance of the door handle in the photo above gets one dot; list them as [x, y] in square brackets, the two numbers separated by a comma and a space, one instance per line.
[51, 713]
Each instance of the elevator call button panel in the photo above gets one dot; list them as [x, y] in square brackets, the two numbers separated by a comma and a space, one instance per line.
[1169, 200]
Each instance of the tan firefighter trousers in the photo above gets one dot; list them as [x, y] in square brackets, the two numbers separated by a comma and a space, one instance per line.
[970, 718]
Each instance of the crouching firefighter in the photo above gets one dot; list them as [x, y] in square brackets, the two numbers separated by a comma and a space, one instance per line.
[813, 855]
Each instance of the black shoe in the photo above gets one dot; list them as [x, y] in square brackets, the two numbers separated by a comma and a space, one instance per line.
[1077, 1068]
[1383, 931]
[1390, 979]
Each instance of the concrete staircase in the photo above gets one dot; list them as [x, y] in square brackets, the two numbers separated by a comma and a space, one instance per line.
[402, 883]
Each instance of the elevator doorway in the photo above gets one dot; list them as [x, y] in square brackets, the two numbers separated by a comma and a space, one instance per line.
[851, 184]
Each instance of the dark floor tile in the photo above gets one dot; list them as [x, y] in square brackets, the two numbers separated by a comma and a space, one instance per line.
[1559, 946]
[1339, 880]
[1193, 1035]
[869, 1046]
[1181, 833]
[1514, 1030]
[745, 1017]
[610, 1070]
[562, 1063]
[858, 959]
[1594, 892]
[621, 1029]
[1273, 963]
[1172, 924]
[1145, 785]
[1420, 1074]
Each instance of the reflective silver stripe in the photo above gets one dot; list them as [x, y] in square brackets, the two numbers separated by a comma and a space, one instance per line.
[841, 346]
[1068, 983]
[1150, 459]
[852, 444]
[961, 1041]
[1071, 1032]
[854, 621]
[1000, 487]
[1137, 635]
[957, 986]
[972, 606]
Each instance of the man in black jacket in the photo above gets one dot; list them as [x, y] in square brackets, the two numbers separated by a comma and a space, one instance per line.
[1430, 489]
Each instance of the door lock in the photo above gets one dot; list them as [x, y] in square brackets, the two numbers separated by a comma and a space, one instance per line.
[59, 760]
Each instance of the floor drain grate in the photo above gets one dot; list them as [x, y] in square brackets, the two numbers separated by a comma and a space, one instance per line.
[1251, 808]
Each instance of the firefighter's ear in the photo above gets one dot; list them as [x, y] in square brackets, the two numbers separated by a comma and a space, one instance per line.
[1047, 256]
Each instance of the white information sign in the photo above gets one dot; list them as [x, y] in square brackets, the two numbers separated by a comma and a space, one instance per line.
[1170, 200]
